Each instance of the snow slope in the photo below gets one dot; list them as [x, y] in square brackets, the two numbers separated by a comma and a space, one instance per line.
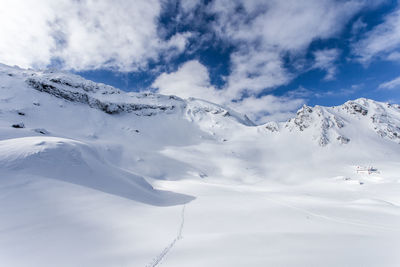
[93, 176]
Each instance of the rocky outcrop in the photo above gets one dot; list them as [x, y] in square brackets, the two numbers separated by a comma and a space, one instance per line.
[327, 124]
[353, 107]
[83, 96]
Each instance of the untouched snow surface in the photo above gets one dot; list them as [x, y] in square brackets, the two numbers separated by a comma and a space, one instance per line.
[93, 176]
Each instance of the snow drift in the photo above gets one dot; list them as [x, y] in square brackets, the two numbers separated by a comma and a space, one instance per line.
[75, 162]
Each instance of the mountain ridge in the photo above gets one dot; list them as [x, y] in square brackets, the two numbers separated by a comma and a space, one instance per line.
[114, 101]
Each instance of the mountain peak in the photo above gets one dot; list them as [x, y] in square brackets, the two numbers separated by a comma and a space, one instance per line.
[330, 124]
[74, 88]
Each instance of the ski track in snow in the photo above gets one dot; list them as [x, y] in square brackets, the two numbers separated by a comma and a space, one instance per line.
[157, 260]
[333, 219]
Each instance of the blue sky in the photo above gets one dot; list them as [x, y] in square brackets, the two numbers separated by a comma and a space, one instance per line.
[263, 58]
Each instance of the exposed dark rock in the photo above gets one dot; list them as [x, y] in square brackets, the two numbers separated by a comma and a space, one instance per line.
[87, 87]
[107, 107]
[18, 125]
[323, 139]
[338, 122]
[303, 119]
[343, 139]
[226, 114]
[354, 108]
[272, 126]
[41, 131]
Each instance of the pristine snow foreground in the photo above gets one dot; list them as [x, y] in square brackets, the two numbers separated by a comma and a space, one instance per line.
[93, 176]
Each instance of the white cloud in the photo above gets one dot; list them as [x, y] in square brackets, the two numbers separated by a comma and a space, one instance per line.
[24, 33]
[253, 71]
[300, 92]
[263, 33]
[179, 41]
[358, 26]
[382, 42]
[394, 56]
[289, 25]
[266, 31]
[189, 5]
[125, 35]
[85, 34]
[325, 60]
[269, 107]
[395, 83]
[190, 80]
[304, 93]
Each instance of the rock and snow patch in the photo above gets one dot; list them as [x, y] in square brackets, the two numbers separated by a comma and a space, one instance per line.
[18, 125]
[328, 124]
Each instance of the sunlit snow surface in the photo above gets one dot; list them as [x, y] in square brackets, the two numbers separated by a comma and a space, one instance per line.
[93, 176]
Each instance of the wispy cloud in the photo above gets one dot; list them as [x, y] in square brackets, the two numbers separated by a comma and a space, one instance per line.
[381, 42]
[266, 31]
[304, 93]
[325, 60]
[395, 83]
[358, 26]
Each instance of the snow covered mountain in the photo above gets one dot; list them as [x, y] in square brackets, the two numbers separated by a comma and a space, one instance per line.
[332, 124]
[85, 165]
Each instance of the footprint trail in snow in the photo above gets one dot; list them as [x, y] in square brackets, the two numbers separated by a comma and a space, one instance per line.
[157, 260]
